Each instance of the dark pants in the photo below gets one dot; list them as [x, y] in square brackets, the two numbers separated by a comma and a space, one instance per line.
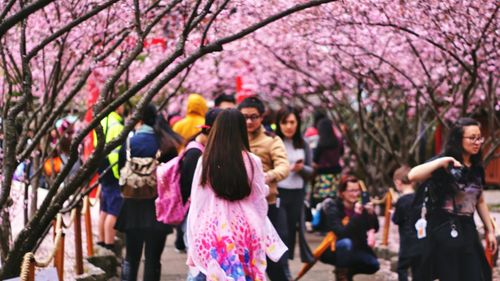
[355, 260]
[405, 263]
[463, 263]
[179, 238]
[155, 242]
[292, 202]
[278, 271]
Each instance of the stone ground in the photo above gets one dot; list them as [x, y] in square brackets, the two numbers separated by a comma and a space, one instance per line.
[174, 264]
[174, 268]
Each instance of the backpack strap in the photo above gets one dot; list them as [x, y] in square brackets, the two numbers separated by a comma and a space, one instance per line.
[423, 211]
[128, 149]
[192, 144]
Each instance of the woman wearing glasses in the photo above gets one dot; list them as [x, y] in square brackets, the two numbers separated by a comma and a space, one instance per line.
[454, 191]
[348, 220]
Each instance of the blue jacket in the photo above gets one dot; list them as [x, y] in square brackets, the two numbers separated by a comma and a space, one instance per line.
[144, 143]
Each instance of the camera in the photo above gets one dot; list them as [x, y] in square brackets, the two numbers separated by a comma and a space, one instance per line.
[456, 172]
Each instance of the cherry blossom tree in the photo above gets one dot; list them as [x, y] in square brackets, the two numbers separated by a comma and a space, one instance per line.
[53, 53]
[392, 71]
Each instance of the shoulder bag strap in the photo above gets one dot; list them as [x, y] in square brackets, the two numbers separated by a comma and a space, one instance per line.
[128, 149]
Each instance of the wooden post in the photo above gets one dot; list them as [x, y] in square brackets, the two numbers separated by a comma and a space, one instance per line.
[78, 241]
[387, 218]
[88, 227]
[59, 259]
[31, 275]
[54, 229]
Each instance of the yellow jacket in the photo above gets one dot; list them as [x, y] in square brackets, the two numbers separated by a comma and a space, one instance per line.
[112, 127]
[272, 153]
[195, 116]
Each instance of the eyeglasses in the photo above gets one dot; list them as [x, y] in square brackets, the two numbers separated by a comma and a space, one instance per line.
[353, 190]
[252, 117]
[479, 140]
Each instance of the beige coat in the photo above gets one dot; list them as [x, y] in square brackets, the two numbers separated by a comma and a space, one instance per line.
[272, 153]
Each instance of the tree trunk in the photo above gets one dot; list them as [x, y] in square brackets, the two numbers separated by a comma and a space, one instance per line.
[9, 166]
[35, 182]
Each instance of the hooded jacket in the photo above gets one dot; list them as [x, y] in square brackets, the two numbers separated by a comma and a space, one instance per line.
[195, 117]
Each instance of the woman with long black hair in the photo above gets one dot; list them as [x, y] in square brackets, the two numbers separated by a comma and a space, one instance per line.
[292, 188]
[454, 191]
[228, 231]
[326, 160]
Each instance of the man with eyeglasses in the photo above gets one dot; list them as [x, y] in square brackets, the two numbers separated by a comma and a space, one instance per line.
[271, 151]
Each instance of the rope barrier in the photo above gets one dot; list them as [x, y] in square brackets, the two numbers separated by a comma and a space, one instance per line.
[29, 260]
[71, 220]
[57, 240]
[97, 196]
[27, 267]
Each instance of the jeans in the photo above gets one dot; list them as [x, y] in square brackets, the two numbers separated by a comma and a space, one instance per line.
[292, 202]
[356, 260]
[278, 271]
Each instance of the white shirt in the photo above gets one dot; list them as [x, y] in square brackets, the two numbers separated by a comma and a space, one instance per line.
[294, 180]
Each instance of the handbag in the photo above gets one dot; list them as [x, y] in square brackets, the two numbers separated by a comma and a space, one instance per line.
[138, 176]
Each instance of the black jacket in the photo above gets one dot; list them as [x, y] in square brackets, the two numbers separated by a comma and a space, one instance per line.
[356, 228]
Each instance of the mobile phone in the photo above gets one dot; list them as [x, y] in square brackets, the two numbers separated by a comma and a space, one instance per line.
[365, 198]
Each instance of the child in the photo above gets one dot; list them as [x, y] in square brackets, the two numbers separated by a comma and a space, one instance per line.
[228, 230]
[409, 246]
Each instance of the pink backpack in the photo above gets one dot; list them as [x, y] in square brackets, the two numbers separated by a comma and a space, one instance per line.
[169, 206]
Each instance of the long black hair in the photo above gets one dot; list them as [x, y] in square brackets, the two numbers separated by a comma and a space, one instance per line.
[454, 147]
[223, 163]
[168, 140]
[327, 138]
[281, 116]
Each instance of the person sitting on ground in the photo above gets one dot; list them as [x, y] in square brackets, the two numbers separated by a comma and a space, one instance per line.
[349, 220]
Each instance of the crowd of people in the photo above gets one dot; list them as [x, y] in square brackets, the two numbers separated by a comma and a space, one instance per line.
[249, 186]
[247, 183]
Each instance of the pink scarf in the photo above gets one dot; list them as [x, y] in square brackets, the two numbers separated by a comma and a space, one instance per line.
[230, 240]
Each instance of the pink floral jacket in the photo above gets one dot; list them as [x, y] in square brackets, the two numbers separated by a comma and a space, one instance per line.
[230, 240]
